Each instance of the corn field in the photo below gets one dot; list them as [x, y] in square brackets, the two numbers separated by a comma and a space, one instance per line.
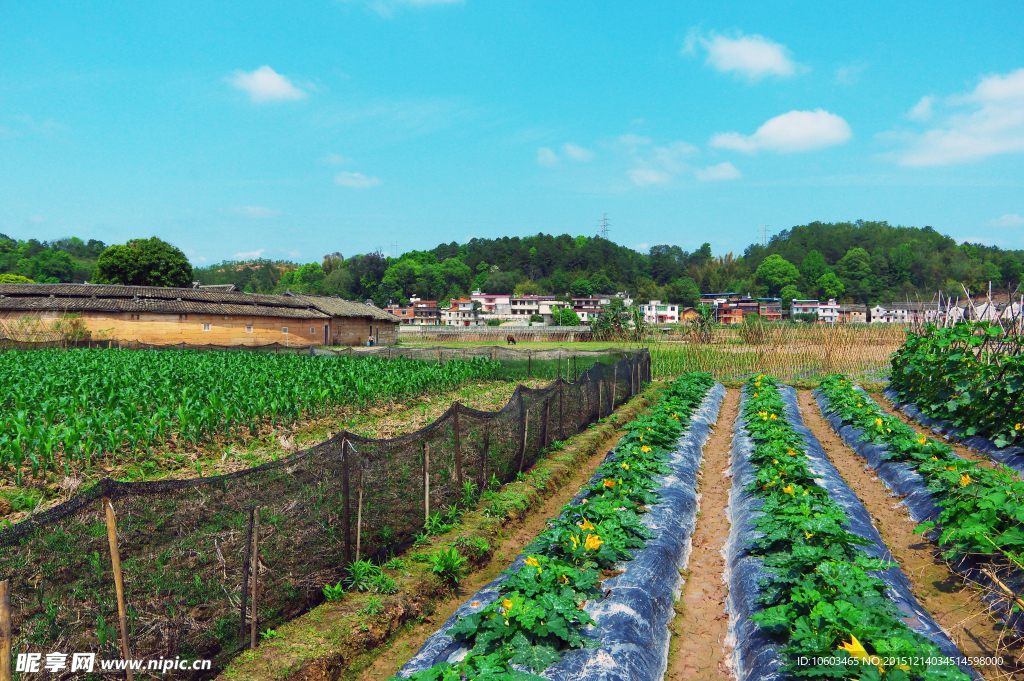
[76, 405]
[788, 352]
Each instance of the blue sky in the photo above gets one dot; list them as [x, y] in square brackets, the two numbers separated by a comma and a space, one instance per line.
[291, 130]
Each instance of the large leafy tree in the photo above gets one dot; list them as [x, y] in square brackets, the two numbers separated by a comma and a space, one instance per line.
[776, 272]
[143, 262]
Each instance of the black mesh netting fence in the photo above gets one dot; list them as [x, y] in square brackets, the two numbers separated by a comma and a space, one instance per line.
[184, 544]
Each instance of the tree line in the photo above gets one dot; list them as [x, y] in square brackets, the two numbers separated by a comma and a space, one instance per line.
[864, 262]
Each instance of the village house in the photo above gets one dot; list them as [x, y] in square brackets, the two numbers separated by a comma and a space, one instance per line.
[461, 313]
[656, 312]
[853, 314]
[199, 316]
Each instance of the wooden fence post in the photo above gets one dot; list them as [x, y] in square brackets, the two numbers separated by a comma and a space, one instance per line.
[253, 623]
[526, 434]
[5, 631]
[245, 577]
[426, 482]
[483, 455]
[529, 363]
[115, 560]
[547, 416]
[615, 384]
[600, 400]
[359, 516]
[346, 519]
[458, 447]
[561, 402]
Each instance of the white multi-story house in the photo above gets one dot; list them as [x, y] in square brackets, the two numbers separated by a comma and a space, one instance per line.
[523, 307]
[655, 312]
[803, 307]
[828, 313]
[880, 315]
[461, 313]
[493, 303]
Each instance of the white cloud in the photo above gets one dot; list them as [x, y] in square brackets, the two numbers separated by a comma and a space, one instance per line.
[722, 171]
[793, 131]
[643, 177]
[266, 85]
[1008, 220]
[985, 122]
[632, 141]
[36, 219]
[752, 56]
[256, 212]
[577, 153]
[249, 255]
[335, 160]
[386, 8]
[357, 180]
[546, 157]
[922, 111]
[642, 247]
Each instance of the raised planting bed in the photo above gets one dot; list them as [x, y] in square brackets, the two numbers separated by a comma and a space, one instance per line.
[1011, 456]
[593, 594]
[813, 591]
[972, 511]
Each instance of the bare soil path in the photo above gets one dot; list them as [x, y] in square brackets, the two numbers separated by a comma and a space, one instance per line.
[701, 623]
[956, 607]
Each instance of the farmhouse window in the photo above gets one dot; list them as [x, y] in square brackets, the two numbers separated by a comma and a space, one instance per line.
[248, 328]
[284, 329]
[206, 327]
[311, 331]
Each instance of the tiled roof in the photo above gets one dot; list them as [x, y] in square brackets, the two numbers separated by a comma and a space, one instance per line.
[338, 307]
[108, 298]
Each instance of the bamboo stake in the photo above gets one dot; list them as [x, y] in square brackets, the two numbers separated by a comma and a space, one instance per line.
[255, 578]
[5, 631]
[359, 515]
[526, 434]
[1002, 587]
[458, 446]
[115, 560]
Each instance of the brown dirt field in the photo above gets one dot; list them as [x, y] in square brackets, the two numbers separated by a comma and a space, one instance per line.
[388, 659]
[701, 623]
[954, 605]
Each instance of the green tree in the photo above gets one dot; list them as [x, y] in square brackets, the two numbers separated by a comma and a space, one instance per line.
[1010, 268]
[559, 283]
[682, 291]
[830, 284]
[565, 317]
[581, 288]
[856, 264]
[789, 294]
[14, 279]
[813, 266]
[777, 272]
[143, 262]
[310, 274]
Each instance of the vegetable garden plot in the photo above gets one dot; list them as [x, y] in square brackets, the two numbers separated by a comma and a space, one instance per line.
[970, 375]
[183, 542]
[533, 616]
[68, 407]
[975, 511]
[1011, 456]
[813, 593]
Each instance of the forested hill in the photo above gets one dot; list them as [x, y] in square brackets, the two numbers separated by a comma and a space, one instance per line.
[865, 262]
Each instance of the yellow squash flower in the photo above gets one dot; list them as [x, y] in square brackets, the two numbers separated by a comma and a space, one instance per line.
[585, 525]
[531, 561]
[645, 449]
[857, 650]
[788, 489]
[625, 466]
[774, 417]
[575, 542]
[609, 483]
[506, 603]
[791, 453]
[808, 534]
[563, 579]
[921, 438]
[593, 542]
[965, 480]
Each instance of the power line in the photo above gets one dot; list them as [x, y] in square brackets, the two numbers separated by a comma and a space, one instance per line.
[604, 226]
[764, 234]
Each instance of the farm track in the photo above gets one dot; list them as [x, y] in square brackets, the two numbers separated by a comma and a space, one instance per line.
[956, 607]
[390, 657]
[701, 623]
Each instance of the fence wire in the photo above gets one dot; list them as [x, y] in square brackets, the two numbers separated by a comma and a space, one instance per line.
[183, 543]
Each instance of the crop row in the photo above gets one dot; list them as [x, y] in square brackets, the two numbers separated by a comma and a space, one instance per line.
[820, 599]
[80, 404]
[539, 614]
[981, 508]
[969, 375]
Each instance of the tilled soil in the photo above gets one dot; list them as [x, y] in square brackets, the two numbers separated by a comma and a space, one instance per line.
[701, 624]
[955, 606]
[392, 656]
